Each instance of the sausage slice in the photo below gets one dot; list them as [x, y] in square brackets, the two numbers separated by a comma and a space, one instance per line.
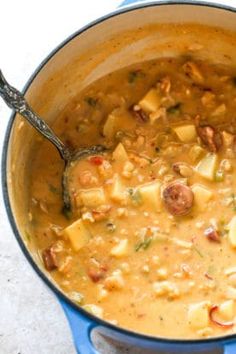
[178, 198]
[210, 137]
[49, 259]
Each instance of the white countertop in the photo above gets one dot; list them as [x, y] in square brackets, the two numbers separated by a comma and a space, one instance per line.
[31, 320]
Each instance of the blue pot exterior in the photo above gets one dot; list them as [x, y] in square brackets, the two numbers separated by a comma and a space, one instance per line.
[81, 322]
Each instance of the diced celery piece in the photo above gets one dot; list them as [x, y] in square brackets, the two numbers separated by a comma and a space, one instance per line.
[91, 197]
[150, 195]
[202, 196]
[78, 234]
[151, 101]
[186, 133]
[207, 166]
[120, 154]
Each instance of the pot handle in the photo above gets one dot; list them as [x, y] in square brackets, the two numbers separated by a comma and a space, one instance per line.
[81, 328]
[129, 2]
[230, 348]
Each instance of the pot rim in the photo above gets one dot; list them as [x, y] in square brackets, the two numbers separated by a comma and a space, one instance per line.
[6, 197]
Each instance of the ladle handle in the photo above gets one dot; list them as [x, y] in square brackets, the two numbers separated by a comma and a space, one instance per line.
[15, 100]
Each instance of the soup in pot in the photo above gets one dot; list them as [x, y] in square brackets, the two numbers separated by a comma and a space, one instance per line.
[150, 244]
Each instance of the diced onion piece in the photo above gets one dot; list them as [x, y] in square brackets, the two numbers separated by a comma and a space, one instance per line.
[94, 309]
[150, 194]
[230, 270]
[91, 197]
[207, 166]
[150, 102]
[198, 315]
[121, 249]
[120, 154]
[230, 293]
[78, 234]
[181, 243]
[202, 196]
[232, 231]
[212, 311]
[186, 133]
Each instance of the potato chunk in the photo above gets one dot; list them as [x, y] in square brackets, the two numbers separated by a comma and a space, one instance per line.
[150, 102]
[120, 154]
[121, 249]
[207, 166]
[109, 128]
[226, 310]
[78, 234]
[227, 139]
[196, 152]
[118, 193]
[186, 133]
[150, 194]
[91, 197]
[198, 315]
[202, 196]
[232, 231]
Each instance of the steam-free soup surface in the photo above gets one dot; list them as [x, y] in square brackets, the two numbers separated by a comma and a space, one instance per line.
[150, 244]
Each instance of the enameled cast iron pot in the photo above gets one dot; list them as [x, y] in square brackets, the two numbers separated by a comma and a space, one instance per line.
[126, 36]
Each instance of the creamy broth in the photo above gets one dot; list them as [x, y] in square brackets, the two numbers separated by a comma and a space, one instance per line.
[151, 242]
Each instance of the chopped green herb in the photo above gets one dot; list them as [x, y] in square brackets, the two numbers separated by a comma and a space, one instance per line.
[110, 226]
[28, 236]
[53, 189]
[135, 196]
[174, 109]
[219, 176]
[198, 251]
[211, 270]
[67, 213]
[134, 75]
[233, 201]
[91, 101]
[143, 244]
[81, 128]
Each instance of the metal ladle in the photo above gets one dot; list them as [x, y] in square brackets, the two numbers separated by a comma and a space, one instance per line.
[15, 100]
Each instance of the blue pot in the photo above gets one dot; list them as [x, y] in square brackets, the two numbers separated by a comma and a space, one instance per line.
[85, 56]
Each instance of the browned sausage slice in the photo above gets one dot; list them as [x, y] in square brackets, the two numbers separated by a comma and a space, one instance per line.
[178, 198]
[49, 259]
[210, 137]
